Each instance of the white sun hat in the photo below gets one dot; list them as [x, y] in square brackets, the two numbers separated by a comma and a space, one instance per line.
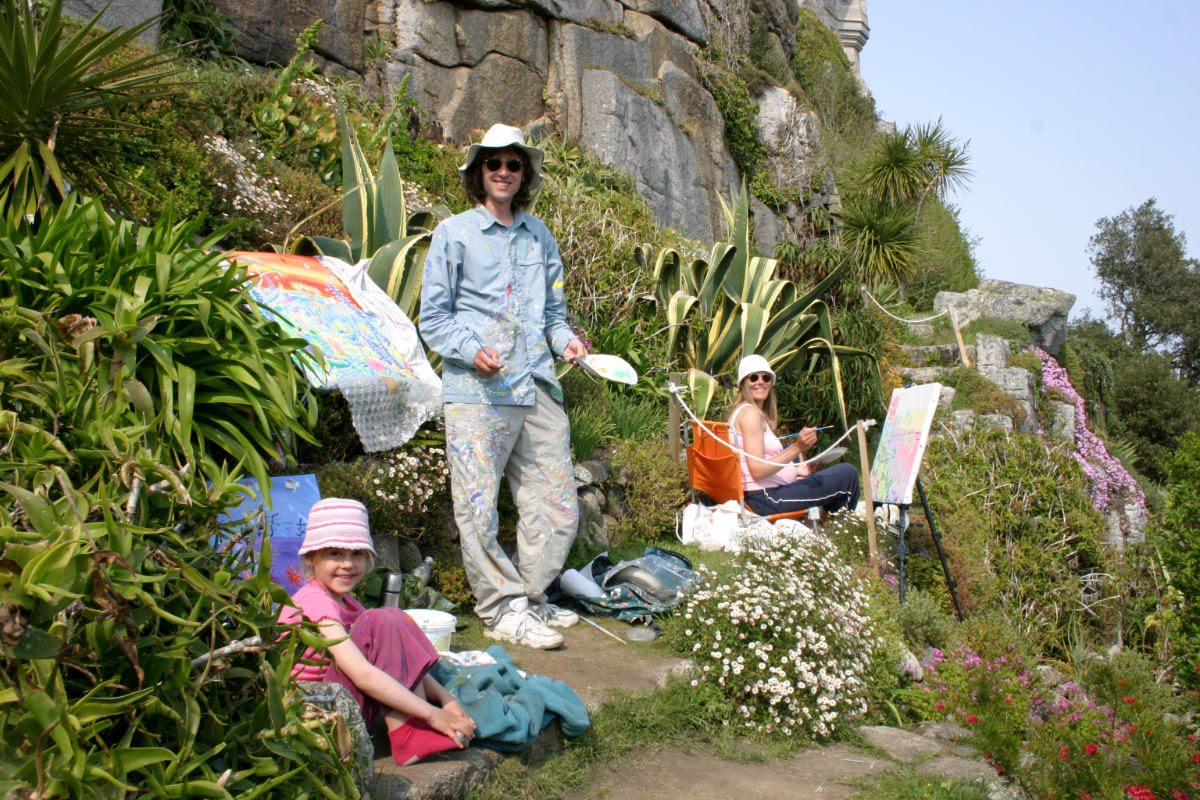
[500, 136]
[752, 364]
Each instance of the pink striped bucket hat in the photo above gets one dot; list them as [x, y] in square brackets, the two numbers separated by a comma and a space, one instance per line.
[336, 522]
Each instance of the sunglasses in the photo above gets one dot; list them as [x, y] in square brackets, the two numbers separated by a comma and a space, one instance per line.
[760, 377]
[493, 164]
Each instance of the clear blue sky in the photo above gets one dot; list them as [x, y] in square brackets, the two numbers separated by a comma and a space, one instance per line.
[1074, 111]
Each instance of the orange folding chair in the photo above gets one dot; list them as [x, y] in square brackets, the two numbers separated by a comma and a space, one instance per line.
[713, 468]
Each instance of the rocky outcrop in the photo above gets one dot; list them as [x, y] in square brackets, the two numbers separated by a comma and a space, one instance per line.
[1044, 311]
[119, 15]
[267, 31]
[621, 77]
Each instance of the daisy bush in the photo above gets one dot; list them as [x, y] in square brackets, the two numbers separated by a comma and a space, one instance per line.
[785, 635]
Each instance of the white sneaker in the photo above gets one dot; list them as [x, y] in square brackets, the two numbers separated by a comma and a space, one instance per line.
[524, 627]
[554, 616]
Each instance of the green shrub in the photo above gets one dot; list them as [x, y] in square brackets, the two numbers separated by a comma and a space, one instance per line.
[148, 383]
[739, 112]
[980, 394]
[1021, 535]
[655, 494]
[591, 426]
[1177, 537]
[925, 622]
[1011, 330]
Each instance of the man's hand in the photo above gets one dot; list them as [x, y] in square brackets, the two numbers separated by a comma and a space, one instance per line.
[574, 350]
[487, 363]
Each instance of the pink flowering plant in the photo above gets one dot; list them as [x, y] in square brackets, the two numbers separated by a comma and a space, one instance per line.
[784, 635]
[991, 694]
[1101, 738]
[1110, 481]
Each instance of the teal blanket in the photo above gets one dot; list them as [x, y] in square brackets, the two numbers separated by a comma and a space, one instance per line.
[510, 710]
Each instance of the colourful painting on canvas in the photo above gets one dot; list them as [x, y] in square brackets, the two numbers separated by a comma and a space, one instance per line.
[311, 302]
[902, 443]
[285, 521]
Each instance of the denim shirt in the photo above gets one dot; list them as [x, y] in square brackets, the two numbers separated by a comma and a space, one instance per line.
[486, 284]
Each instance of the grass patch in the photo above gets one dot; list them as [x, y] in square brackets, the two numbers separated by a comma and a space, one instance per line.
[907, 784]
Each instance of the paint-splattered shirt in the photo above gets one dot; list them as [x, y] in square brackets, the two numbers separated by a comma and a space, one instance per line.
[487, 285]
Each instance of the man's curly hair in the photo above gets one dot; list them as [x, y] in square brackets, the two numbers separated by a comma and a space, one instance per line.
[472, 177]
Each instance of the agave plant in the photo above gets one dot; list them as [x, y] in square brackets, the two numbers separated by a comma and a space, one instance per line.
[59, 103]
[378, 226]
[732, 304]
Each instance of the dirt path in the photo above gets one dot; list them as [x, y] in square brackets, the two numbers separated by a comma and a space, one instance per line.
[819, 774]
[595, 665]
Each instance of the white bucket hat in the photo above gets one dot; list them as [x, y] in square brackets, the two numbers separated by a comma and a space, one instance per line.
[752, 364]
[500, 136]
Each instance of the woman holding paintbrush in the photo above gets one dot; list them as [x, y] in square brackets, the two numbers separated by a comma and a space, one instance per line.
[773, 482]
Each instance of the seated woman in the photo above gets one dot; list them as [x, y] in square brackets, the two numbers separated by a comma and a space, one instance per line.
[383, 658]
[772, 483]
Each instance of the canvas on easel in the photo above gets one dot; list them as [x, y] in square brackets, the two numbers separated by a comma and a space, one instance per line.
[902, 443]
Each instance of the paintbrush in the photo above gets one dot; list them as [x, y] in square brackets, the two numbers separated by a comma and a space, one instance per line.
[790, 435]
[483, 346]
[602, 629]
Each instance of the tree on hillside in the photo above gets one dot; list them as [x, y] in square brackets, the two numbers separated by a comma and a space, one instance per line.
[1152, 287]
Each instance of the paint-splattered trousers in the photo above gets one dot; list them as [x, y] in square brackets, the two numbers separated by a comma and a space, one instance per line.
[531, 445]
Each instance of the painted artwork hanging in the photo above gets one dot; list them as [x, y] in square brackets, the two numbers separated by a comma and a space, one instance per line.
[371, 350]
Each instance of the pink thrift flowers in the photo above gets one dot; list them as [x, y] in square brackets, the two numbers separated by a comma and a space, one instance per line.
[1108, 477]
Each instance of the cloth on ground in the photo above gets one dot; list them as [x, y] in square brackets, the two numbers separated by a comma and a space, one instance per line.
[510, 709]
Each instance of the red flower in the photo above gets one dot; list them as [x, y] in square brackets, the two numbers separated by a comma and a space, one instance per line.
[1063, 753]
[940, 707]
[1140, 792]
[1127, 700]
[1120, 682]
[1196, 757]
[1179, 794]
[1084, 796]
[972, 719]
[1090, 749]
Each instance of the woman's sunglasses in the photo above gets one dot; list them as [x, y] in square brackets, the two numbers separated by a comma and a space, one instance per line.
[493, 164]
[760, 377]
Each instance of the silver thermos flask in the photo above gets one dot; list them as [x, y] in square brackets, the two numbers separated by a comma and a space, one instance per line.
[393, 589]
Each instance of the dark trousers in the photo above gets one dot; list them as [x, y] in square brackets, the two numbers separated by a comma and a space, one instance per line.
[832, 488]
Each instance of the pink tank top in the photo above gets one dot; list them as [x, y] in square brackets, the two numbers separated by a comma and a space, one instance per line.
[771, 447]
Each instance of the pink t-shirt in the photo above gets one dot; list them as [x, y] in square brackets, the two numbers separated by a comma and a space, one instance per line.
[771, 447]
[316, 603]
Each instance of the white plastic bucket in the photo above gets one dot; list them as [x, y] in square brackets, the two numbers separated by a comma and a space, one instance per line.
[436, 625]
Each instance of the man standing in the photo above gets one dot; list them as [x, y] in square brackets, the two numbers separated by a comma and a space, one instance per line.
[492, 305]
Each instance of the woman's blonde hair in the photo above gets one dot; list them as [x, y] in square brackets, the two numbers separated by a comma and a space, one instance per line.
[770, 409]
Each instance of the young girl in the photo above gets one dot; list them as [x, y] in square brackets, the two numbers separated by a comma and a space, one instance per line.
[382, 657]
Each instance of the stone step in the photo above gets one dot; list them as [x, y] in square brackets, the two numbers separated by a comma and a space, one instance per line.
[931, 355]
